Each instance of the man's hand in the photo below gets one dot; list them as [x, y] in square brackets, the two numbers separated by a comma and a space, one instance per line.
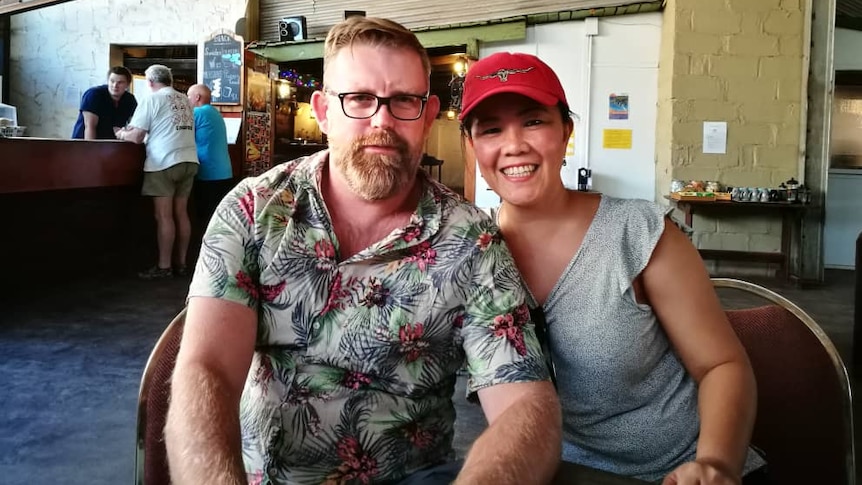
[132, 134]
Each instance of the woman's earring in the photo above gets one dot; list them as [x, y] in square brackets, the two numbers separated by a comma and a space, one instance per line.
[564, 162]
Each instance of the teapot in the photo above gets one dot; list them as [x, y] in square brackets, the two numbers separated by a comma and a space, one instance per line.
[792, 190]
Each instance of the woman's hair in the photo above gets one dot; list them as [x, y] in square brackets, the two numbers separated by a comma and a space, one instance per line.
[373, 32]
[158, 73]
[121, 71]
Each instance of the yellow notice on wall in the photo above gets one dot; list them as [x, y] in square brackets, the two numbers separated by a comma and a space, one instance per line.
[617, 139]
[570, 146]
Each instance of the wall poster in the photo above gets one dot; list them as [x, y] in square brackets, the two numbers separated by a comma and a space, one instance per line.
[258, 122]
[618, 107]
[715, 137]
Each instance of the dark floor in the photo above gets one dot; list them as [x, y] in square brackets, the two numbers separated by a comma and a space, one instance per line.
[72, 356]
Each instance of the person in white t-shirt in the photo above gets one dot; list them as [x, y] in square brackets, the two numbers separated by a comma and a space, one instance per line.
[165, 118]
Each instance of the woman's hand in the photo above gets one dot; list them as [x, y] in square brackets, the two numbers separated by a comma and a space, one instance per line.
[700, 473]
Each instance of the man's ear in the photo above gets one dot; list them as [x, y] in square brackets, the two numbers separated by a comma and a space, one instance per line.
[432, 109]
[319, 104]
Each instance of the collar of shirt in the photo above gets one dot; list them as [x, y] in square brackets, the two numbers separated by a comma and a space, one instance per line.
[306, 173]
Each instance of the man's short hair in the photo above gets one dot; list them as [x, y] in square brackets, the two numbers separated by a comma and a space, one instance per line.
[121, 71]
[158, 73]
[373, 32]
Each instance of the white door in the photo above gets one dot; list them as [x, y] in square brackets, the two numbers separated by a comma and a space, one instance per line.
[843, 218]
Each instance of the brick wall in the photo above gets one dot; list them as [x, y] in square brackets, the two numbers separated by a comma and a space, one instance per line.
[58, 52]
[739, 61]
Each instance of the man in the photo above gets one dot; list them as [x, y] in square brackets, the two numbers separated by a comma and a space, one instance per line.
[105, 107]
[215, 174]
[337, 295]
[166, 119]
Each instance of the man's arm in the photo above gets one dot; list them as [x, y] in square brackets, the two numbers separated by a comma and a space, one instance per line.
[202, 434]
[91, 121]
[523, 440]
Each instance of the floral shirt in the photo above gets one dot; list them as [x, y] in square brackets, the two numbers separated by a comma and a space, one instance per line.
[356, 359]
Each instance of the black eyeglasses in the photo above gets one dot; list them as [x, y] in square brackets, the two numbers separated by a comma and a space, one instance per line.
[537, 315]
[405, 107]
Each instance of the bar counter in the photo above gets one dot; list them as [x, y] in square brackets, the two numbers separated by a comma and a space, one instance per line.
[42, 164]
[72, 210]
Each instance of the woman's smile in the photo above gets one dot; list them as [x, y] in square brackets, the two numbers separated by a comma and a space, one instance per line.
[519, 171]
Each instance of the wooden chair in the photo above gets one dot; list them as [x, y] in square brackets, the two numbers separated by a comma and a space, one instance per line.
[804, 407]
[151, 461]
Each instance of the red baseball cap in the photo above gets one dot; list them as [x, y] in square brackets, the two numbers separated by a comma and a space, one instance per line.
[509, 72]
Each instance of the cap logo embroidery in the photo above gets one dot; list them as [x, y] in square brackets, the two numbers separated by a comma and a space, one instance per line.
[503, 74]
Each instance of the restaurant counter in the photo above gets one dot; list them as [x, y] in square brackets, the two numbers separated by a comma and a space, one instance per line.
[39, 164]
[76, 206]
[71, 206]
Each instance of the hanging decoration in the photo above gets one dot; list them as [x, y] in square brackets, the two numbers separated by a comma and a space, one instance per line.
[456, 88]
[300, 80]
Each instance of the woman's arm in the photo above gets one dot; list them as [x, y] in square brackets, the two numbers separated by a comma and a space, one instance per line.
[680, 292]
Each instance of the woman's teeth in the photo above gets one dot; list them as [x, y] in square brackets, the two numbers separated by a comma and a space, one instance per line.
[519, 171]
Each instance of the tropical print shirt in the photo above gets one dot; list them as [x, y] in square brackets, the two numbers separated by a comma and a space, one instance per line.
[356, 359]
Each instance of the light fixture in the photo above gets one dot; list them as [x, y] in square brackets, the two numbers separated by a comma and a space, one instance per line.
[456, 87]
[460, 67]
[285, 90]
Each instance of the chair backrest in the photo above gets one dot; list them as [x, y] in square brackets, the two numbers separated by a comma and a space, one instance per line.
[804, 405]
[151, 461]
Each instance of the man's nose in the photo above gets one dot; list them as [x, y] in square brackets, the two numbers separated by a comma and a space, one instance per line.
[383, 117]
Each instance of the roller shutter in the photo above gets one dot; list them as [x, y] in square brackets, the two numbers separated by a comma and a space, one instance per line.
[320, 15]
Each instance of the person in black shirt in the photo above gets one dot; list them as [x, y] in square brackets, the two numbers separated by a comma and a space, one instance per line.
[105, 108]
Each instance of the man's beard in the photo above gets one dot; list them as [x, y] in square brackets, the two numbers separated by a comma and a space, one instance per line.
[375, 176]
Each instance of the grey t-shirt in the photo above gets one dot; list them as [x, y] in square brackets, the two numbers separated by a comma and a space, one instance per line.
[629, 405]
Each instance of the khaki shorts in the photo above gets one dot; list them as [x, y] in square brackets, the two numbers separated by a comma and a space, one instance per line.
[174, 181]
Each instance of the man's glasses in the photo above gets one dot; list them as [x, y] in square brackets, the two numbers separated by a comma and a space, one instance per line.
[537, 315]
[405, 107]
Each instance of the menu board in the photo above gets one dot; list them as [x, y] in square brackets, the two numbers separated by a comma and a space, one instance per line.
[221, 68]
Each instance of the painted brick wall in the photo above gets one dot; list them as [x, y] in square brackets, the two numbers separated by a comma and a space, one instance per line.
[739, 61]
[58, 52]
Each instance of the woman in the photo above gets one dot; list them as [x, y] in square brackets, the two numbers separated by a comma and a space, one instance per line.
[653, 381]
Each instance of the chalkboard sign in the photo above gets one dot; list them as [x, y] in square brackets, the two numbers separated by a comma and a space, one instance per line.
[221, 67]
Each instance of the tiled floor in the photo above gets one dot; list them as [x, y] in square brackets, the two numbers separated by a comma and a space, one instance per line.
[72, 355]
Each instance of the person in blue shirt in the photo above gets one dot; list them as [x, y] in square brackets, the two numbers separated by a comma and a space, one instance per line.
[106, 108]
[215, 175]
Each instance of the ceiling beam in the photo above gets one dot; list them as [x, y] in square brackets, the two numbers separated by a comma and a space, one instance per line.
[9, 7]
